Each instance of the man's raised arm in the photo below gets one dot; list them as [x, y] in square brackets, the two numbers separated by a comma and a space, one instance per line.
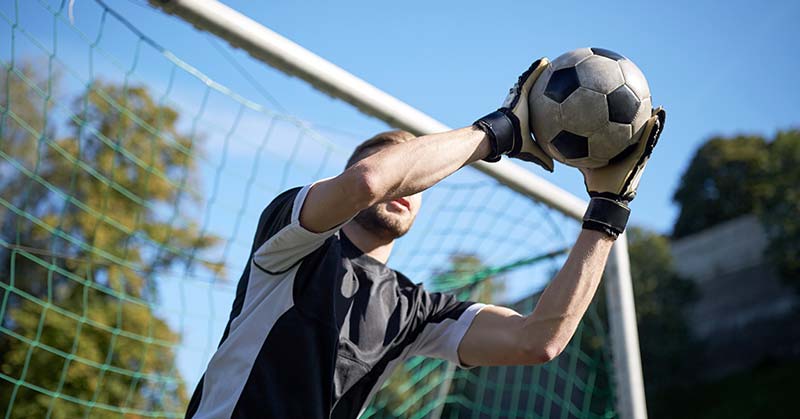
[407, 168]
[501, 336]
[394, 171]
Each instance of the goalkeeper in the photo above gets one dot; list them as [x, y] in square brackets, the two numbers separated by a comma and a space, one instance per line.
[319, 321]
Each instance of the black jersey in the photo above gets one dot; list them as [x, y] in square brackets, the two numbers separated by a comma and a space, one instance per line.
[317, 326]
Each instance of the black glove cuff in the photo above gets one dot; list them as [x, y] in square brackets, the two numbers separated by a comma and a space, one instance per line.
[607, 215]
[500, 129]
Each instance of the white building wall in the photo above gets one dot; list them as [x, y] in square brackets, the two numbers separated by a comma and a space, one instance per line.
[737, 287]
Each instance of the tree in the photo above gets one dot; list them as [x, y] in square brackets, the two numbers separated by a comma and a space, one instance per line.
[88, 220]
[468, 276]
[723, 181]
[781, 207]
[730, 177]
[661, 297]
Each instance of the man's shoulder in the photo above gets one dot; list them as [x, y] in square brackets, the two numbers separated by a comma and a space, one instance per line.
[283, 199]
[405, 282]
[276, 215]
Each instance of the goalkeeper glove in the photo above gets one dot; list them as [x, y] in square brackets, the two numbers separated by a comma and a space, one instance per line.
[509, 127]
[612, 187]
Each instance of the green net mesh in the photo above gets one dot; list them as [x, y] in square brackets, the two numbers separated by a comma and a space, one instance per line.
[130, 185]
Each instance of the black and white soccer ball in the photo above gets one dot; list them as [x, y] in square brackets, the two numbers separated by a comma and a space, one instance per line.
[589, 107]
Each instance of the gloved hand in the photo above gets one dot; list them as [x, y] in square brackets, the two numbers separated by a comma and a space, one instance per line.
[612, 187]
[509, 126]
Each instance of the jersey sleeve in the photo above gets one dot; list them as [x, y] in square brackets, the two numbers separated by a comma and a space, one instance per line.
[446, 322]
[280, 240]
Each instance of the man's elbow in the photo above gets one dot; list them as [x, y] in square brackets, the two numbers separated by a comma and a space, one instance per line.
[551, 351]
[541, 352]
[364, 187]
[545, 339]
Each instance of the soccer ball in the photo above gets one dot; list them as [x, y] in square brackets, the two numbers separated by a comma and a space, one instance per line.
[589, 107]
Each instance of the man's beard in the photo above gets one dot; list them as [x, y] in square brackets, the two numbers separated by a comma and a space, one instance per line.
[377, 220]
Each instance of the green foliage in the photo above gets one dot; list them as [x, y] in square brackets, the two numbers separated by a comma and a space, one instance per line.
[729, 177]
[723, 181]
[661, 297]
[781, 209]
[465, 271]
[88, 219]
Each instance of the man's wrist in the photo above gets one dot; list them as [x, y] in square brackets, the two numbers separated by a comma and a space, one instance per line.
[500, 128]
[598, 235]
[484, 148]
[607, 215]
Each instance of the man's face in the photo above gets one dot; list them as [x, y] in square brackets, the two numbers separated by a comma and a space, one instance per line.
[391, 220]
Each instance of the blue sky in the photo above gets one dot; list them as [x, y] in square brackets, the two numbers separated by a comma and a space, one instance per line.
[718, 68]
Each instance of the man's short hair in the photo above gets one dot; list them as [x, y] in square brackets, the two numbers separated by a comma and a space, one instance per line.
[378, 141]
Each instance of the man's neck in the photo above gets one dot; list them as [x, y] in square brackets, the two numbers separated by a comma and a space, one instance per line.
[369, 243]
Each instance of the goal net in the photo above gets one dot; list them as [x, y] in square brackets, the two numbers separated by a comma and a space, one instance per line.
[133, 170]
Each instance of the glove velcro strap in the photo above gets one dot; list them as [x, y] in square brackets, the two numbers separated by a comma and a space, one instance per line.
[607, 215]
[500, 128]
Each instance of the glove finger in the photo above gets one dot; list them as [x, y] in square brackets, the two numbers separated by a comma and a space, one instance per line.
[524, 83]
[650, 133]
[530, 150]
[653, 129]
[661, 114]
[536, 69]
[621, 177]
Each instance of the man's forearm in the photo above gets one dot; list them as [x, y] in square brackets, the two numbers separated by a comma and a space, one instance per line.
[565, 300]
[413, 166]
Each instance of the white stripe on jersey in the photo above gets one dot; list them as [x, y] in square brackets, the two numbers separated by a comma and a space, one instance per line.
[268, 297]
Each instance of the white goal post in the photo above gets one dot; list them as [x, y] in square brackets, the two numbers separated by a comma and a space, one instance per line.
[271, 48]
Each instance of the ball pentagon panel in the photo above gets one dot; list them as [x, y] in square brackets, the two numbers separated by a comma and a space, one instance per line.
[571, 146]
[623, 105]
[607, 53]
[561, 84]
